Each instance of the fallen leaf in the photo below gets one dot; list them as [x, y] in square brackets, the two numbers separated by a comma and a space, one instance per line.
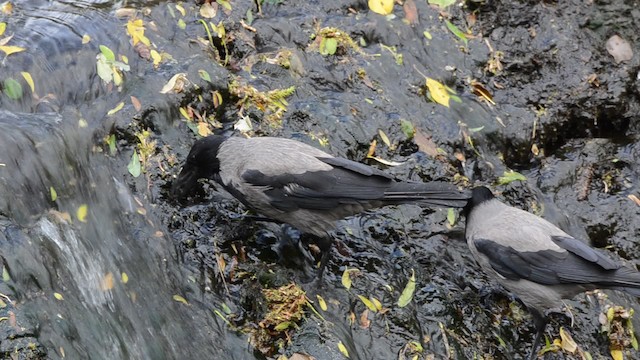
[407, 128]
[372, 148]
[10, 49]
[107, 282]
[135, 29]
[86, 39]
[136, 103]
[438, 91]
[208, 11]
[619, 48]
[343, 349]
[567, 341]
[58, 296]
[634, 199]
[116, 109]
[451, 216]
[410, 12]
[409, 289]
[12, 88]
[382, 7]
[156, 57]
[457, 32]
[81, 213]
[3, 27]
[27, 77]
[367, 303]
[176, 84]
[346, 279]
[442, 3]
[364, 319]
[180, 299]
[134, 165]
[510, 176]
[124, 278]
[385, 139]
[479, 90]
[617, 354]
[54, 193]
[300, 356]
[322, 303]
[425, 144]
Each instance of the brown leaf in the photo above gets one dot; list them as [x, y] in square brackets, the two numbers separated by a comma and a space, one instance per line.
[364, 319]
[136, 103]
[425, 144]
[372, 148]
[411, 12]
[143, 51]
[479, 90]
[299, 356]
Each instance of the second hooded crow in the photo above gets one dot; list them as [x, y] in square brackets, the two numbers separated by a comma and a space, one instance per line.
[537, 261]
[296, 183]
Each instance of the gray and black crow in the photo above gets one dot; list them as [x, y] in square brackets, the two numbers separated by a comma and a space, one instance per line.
[296, 183]
[537, 261]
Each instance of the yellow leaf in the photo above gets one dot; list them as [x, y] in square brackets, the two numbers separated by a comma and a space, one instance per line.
[322, 303]
[54, 194]
[368, 303]
[81, 213]
[179, 298]
[85, 39]
[438, 92]
[3, 27]
[181, 9]
[184, 113]
[9, 49]
[376, 303]
[385, 139]
[124, 277]
[83, 123]
[617, 355]
[27, 77]
[6, 7]
[116, 109]
[107, 282]
[346, 279]
[203, 129]
[156, 58]
[58, 296]
[343, 349]
[135, 29]
[124, 59]
[567, 341]
[382, 7]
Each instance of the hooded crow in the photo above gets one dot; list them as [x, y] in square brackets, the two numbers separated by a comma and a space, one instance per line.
[537, 261]
[297, 184]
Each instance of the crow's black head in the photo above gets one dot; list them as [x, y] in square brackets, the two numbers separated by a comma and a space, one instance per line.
[479, 195]
[202, 163]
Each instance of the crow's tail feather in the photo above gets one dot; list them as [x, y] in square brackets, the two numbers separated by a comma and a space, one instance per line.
[432, 193]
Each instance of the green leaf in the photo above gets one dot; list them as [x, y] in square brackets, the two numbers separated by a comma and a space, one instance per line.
[12, 88]
[134, 166]
[451, 216]
[111, 140]
[283, 326]
[330, 46]
[368, 303]
[54, 194]
[510, 176]
[5, 274]
[108, 54]
[249, 17]
[105, 71]
[407, 128]
[204, 75]
[409, 289]
[442, 3]
[457, 32]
